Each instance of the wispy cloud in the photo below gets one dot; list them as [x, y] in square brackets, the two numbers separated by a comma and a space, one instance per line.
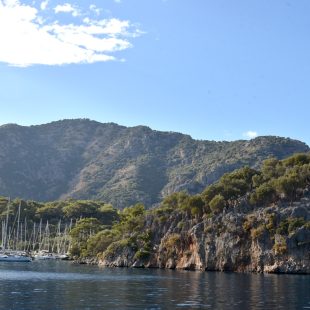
[44, 5]
[27, 39]
[250, 134]
[67, 8]
[95, 9]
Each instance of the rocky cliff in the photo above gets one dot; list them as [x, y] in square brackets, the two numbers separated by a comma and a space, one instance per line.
[248, 221]
[243, 239]
[84, 159]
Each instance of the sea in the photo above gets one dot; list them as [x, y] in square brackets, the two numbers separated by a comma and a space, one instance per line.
[67, 286]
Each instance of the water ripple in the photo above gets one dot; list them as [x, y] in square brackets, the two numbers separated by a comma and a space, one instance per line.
[63, 286]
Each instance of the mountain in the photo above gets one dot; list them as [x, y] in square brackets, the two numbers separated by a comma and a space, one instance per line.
[84, 159]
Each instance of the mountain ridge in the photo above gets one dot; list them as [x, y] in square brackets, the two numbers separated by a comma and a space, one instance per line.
[86, 159]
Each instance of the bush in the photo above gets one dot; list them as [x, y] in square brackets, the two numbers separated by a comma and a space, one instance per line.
[171, 244]
[297, 160]
[142, 254]
[195, 204]
[173, 240]
[271, 222]
[99, 243]
[290, 225]
[217, 204]
[249, 223]
[263, 194]
[119, 246]
[288, 185]
[295, 223]
[280, 246]
[257, 232]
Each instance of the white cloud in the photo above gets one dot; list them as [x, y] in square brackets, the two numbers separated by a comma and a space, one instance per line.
[44, 4]
[26, 39]
[67, 8]
[250, 134]
[95, 9]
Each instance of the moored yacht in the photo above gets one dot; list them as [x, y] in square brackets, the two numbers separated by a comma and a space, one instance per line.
[14, 257]
[44, 255]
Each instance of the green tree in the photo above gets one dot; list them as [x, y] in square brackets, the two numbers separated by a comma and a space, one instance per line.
[217, 204]
[263, 194]
[80, 208]
[288, 185]
[107, 214]
[82, 231]
[196, 204]
[98, 243]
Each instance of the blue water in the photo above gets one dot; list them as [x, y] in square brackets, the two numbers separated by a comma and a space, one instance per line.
[63, 285]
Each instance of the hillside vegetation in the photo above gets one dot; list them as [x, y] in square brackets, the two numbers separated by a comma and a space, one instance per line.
[249, 220]
[278, 183]
[84, 159]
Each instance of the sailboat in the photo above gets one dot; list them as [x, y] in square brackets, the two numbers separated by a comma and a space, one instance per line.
[57, 249]
[14, 257]
[44, 244]
[7, 254]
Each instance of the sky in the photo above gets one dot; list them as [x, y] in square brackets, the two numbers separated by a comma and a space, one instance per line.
[217, 70]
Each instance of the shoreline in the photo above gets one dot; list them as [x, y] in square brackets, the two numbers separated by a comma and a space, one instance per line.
[96, 262]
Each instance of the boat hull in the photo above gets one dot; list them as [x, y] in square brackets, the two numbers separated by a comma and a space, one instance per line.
[15, 259]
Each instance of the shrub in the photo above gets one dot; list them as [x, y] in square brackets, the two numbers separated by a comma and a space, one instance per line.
[297, 160]
[280, 246]
[271, 222]
[265, 193]
[100, 242]
[249, 223]
[173, 240]
[195, 203]
[171, 244]
[118, 246]
[217, 204]
[257, 232]
[289, 225]
[142, 254]
[295, 223]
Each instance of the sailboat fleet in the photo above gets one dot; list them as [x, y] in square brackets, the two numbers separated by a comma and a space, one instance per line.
[47, 250]
[18, 245]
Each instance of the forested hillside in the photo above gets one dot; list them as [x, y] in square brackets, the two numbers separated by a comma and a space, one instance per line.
[249, 220]
[84, 159]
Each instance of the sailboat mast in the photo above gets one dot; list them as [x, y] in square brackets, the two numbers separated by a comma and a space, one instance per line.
[7, 224]
[2, 234]
[47, 236]
[40, 234]
[18, 222]
[34, 236]
[58, 239]
[25, 234]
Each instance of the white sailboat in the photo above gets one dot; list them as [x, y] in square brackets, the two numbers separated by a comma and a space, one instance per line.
[7, 254]
[14, 257]
[48, 251]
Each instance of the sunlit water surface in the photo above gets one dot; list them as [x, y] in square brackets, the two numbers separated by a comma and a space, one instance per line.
[63, 285]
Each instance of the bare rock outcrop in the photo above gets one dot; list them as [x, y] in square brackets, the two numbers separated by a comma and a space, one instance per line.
[244, 239]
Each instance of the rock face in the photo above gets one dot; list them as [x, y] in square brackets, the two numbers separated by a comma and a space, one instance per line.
[84, 159]
[245, 239]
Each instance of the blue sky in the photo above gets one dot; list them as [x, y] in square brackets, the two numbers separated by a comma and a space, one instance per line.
[213, 69]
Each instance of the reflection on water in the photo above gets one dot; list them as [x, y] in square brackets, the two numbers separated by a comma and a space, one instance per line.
[62, 285]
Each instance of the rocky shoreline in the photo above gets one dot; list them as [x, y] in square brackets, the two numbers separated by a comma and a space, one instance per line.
[241, 240]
